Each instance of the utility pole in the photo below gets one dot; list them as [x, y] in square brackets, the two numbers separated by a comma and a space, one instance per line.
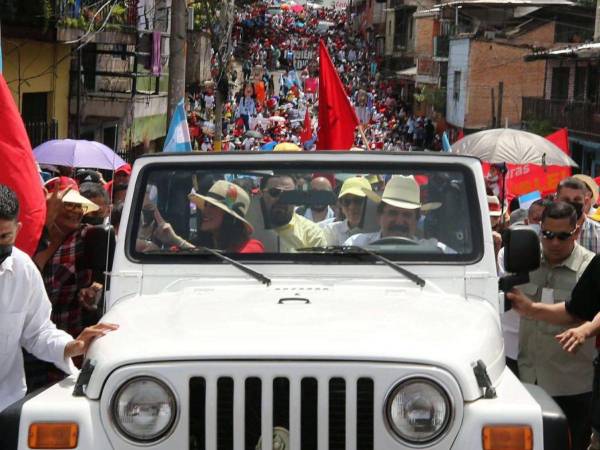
[493, 108]
[500, 95]
[176, 55]
[597, 27]
[223, 53]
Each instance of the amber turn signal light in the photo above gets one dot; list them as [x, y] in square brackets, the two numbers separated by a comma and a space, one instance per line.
[53, 435]
[507, 437]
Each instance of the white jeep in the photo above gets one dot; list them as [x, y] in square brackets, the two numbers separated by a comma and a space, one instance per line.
[394, 344]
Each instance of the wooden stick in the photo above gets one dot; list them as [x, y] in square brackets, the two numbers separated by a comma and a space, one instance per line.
[364, 137]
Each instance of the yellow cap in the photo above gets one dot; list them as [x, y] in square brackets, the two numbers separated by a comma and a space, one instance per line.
[373, 179]
[355, 186]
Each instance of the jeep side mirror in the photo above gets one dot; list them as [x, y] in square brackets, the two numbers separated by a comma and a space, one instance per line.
[521, 256]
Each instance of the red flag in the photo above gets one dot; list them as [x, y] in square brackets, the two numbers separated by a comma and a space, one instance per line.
[560, 138]
[307, 132]
[337, 117]
[19, 171]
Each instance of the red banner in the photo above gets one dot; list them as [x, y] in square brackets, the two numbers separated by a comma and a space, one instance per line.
[524, 178]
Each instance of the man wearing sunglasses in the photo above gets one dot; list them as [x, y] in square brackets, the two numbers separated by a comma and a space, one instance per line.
[294, 231]
[574, 191]
[566, 377]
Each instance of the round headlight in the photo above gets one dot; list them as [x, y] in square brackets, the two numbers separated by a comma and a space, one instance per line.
[418, 410]
[144, 409]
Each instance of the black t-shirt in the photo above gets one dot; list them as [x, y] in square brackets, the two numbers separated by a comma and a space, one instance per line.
[585, 298]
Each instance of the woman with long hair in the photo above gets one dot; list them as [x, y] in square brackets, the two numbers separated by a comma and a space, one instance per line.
[222, 224]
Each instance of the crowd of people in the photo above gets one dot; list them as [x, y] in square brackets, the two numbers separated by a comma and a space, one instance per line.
[275, 98]
[548, 333]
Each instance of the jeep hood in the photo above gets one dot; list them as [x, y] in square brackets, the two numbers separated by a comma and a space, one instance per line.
[387, 325]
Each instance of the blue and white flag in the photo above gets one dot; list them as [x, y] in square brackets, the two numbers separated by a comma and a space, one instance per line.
[178, 137]
[446, 143]
[526, 200]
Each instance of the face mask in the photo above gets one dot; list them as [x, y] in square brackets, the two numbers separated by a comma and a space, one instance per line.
[5, 252]
[92, 220]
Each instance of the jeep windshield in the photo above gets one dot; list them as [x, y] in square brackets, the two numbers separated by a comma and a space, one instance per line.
[266, 212]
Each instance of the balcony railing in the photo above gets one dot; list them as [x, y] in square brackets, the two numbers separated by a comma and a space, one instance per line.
[83, 13]
[583, 117]
[40, 132]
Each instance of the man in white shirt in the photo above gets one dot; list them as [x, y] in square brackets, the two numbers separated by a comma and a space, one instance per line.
[25, 312]
[399, 211]
[320, 213]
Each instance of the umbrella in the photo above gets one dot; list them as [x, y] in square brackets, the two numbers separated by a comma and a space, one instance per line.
[269, 146]
[253, 134]
[297, 8]
[287, 147]
[504, 145]
[277, 119]
[77, 153]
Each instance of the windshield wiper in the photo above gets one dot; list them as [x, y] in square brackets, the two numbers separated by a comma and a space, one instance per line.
[347, 249]
[244, 268]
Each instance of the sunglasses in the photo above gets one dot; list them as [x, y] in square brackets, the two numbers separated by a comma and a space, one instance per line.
[561, 236]
[347, 201]
[275, 192]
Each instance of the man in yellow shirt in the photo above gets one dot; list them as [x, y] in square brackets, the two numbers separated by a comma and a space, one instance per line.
[293, 230]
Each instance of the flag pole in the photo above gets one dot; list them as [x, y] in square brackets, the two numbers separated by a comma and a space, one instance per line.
[364, 136]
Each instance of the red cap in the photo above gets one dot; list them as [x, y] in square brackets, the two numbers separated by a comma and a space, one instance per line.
[125, 168]
[60, 184]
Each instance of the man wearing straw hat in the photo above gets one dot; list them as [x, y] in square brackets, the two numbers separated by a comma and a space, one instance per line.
[60, 259]
[399, 210]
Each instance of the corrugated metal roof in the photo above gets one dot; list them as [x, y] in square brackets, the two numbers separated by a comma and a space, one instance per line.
[506, 3]
[588, 50]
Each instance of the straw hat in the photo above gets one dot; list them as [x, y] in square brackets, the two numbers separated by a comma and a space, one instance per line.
[494, 206]
[591, 184]
[227, 196]
[73, 196]
[355, 186]
[402, 192]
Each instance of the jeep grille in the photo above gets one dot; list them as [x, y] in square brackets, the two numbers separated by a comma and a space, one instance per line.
[320, 413]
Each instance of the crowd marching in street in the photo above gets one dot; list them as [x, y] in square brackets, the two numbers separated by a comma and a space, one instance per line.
[274, 103]
[275, 97]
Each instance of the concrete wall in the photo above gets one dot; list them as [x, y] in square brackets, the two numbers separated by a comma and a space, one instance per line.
[490, 63]
[458, 61]
[198, 56]
[34, 66]
[390, 26]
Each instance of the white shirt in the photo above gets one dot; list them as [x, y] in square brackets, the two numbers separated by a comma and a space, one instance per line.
[310, 216]
[337, 233]
[25, 322]
[363, 239]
